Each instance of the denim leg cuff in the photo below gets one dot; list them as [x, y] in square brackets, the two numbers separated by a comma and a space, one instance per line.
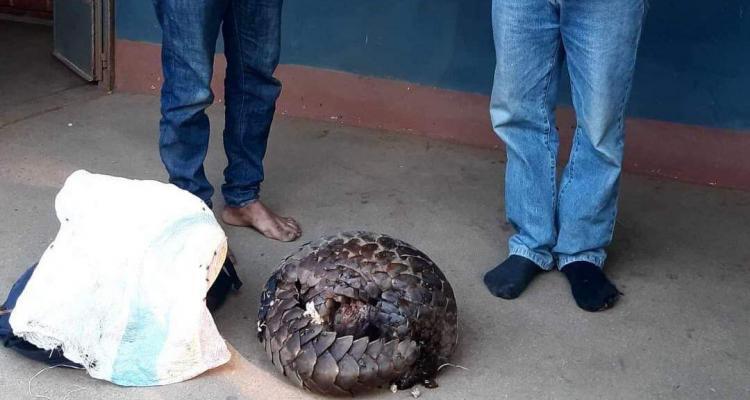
[539, 260]
[566, 259]
[238, 197]
[242, 203]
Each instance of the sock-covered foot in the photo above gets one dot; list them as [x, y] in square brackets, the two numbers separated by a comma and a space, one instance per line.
[509, 279]
[591, 288]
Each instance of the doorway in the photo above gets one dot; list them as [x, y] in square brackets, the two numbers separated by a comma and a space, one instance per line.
[78, 33]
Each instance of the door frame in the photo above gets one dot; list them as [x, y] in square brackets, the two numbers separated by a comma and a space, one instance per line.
[103, 37]
[106, 45]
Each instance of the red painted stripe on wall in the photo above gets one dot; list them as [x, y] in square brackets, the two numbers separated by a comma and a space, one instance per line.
[688, 153]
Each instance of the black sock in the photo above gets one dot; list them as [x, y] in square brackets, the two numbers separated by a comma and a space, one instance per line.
[591, 288]
[509, 279]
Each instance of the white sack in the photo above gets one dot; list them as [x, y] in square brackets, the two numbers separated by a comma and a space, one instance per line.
[122, 288]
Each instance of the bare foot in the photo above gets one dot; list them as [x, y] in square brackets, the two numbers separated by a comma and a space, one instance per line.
[257, 216]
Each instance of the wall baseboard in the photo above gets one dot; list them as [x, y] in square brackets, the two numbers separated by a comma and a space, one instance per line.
[688, 153]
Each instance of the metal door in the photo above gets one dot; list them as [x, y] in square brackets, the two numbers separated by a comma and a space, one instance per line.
[77, 26]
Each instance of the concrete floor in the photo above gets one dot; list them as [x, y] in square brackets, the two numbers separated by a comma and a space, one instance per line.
[681, 255]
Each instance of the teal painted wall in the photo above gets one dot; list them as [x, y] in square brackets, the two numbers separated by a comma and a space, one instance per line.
[693, 68]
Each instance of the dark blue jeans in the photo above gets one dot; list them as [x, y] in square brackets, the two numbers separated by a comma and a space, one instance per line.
[251, 30]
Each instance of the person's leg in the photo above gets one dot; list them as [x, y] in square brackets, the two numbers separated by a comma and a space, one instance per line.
[252, 30]
[527, 46]
[189, 33]
[600, 38]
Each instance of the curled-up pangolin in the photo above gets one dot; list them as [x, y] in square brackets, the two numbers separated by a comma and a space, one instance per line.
[356, 311]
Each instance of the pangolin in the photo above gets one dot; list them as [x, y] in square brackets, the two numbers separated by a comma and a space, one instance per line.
[355, 311]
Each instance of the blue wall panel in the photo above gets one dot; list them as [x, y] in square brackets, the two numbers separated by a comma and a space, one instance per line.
[694, 64]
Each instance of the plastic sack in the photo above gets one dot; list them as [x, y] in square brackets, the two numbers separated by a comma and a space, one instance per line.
[136, 259]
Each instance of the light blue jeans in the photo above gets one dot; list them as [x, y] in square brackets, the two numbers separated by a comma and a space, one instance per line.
[598, 39]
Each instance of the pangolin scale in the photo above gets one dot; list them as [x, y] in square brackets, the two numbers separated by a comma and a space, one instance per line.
[355, 311]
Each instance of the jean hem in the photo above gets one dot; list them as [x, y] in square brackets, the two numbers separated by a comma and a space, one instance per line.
[535, 258]
[242, 203]
[562, 261]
